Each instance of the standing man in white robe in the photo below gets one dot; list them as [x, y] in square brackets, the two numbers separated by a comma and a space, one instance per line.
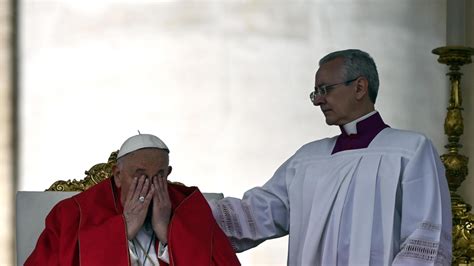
[372, 195]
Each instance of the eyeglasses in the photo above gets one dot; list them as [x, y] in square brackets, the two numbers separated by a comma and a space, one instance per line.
[323, 90]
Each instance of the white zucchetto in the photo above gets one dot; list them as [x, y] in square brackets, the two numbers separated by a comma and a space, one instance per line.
[141, 141]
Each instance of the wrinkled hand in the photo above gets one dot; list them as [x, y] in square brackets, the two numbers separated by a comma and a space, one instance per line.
[135, 211]
[161, 208]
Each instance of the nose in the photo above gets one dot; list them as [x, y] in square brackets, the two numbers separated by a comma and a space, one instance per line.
[318, 100]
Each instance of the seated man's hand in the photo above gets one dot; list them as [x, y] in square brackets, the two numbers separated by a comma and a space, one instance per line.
[161, 208]
[134, 209]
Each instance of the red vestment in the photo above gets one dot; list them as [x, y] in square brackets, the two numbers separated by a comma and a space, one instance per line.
[89, 229]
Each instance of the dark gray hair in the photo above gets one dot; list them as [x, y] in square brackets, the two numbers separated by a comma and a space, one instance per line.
[357, 63]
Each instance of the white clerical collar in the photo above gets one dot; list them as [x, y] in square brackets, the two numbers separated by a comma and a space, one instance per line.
[351, 127]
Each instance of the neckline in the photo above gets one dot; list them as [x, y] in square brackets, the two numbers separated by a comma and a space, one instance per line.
[349, 151]
[352, 127]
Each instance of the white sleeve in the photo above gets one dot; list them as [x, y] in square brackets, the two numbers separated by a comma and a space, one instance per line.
[133, 256]
[261, 214]
[425, 232]
[163, 253]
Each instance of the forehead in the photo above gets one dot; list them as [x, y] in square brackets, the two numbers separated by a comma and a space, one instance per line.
[330, 71]
[146, 158]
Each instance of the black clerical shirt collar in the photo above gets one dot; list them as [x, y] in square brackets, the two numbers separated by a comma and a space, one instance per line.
[353, 127]
[366, 127]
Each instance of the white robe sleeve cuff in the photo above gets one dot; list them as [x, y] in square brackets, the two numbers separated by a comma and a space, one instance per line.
[163, 253]
[133, 256]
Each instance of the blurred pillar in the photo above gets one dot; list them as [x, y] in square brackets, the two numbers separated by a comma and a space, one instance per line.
[6, 135]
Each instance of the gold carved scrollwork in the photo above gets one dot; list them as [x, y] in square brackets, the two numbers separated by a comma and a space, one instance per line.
[453, 125]
[96, 174]
[456, 169]
[463, 223]
[455, 163]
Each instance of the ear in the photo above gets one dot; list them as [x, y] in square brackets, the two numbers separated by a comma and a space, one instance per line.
[116, 174]
[362, 88]
[169, 170]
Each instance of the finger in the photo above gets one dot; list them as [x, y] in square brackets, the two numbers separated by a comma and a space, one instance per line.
[145, 188]
[143, 206]
[131, 189]
[155, 187]
[143, 193]
[158, 187]
[139, 187]
[149, 196]
[165, 185]
[158, 190]
[163, 193]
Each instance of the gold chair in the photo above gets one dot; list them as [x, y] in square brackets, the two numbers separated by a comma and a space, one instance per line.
[96, 174]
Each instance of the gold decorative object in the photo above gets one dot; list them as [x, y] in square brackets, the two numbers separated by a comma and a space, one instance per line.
[96, 174]
[455, 163]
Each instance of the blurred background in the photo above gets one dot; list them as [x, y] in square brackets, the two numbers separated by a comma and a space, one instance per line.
[224, 83]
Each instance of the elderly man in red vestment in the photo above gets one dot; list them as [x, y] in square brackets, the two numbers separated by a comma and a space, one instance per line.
[134, 218]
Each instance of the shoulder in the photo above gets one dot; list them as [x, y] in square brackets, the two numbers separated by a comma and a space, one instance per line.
[99, 188]
[404, 134]
[65, 204]
[64, 210]
[317, 147]
[405, 143]
[101, 194]
[182, 188]
[401, 139]
[179, 191]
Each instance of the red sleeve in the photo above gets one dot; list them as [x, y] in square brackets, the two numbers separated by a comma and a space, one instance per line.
[57, 243]
[222, 252]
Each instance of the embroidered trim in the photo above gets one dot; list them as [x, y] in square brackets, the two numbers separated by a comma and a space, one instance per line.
[420, 249]
[439, 253]
[229, 219]
[429, 226]
[250, 220]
